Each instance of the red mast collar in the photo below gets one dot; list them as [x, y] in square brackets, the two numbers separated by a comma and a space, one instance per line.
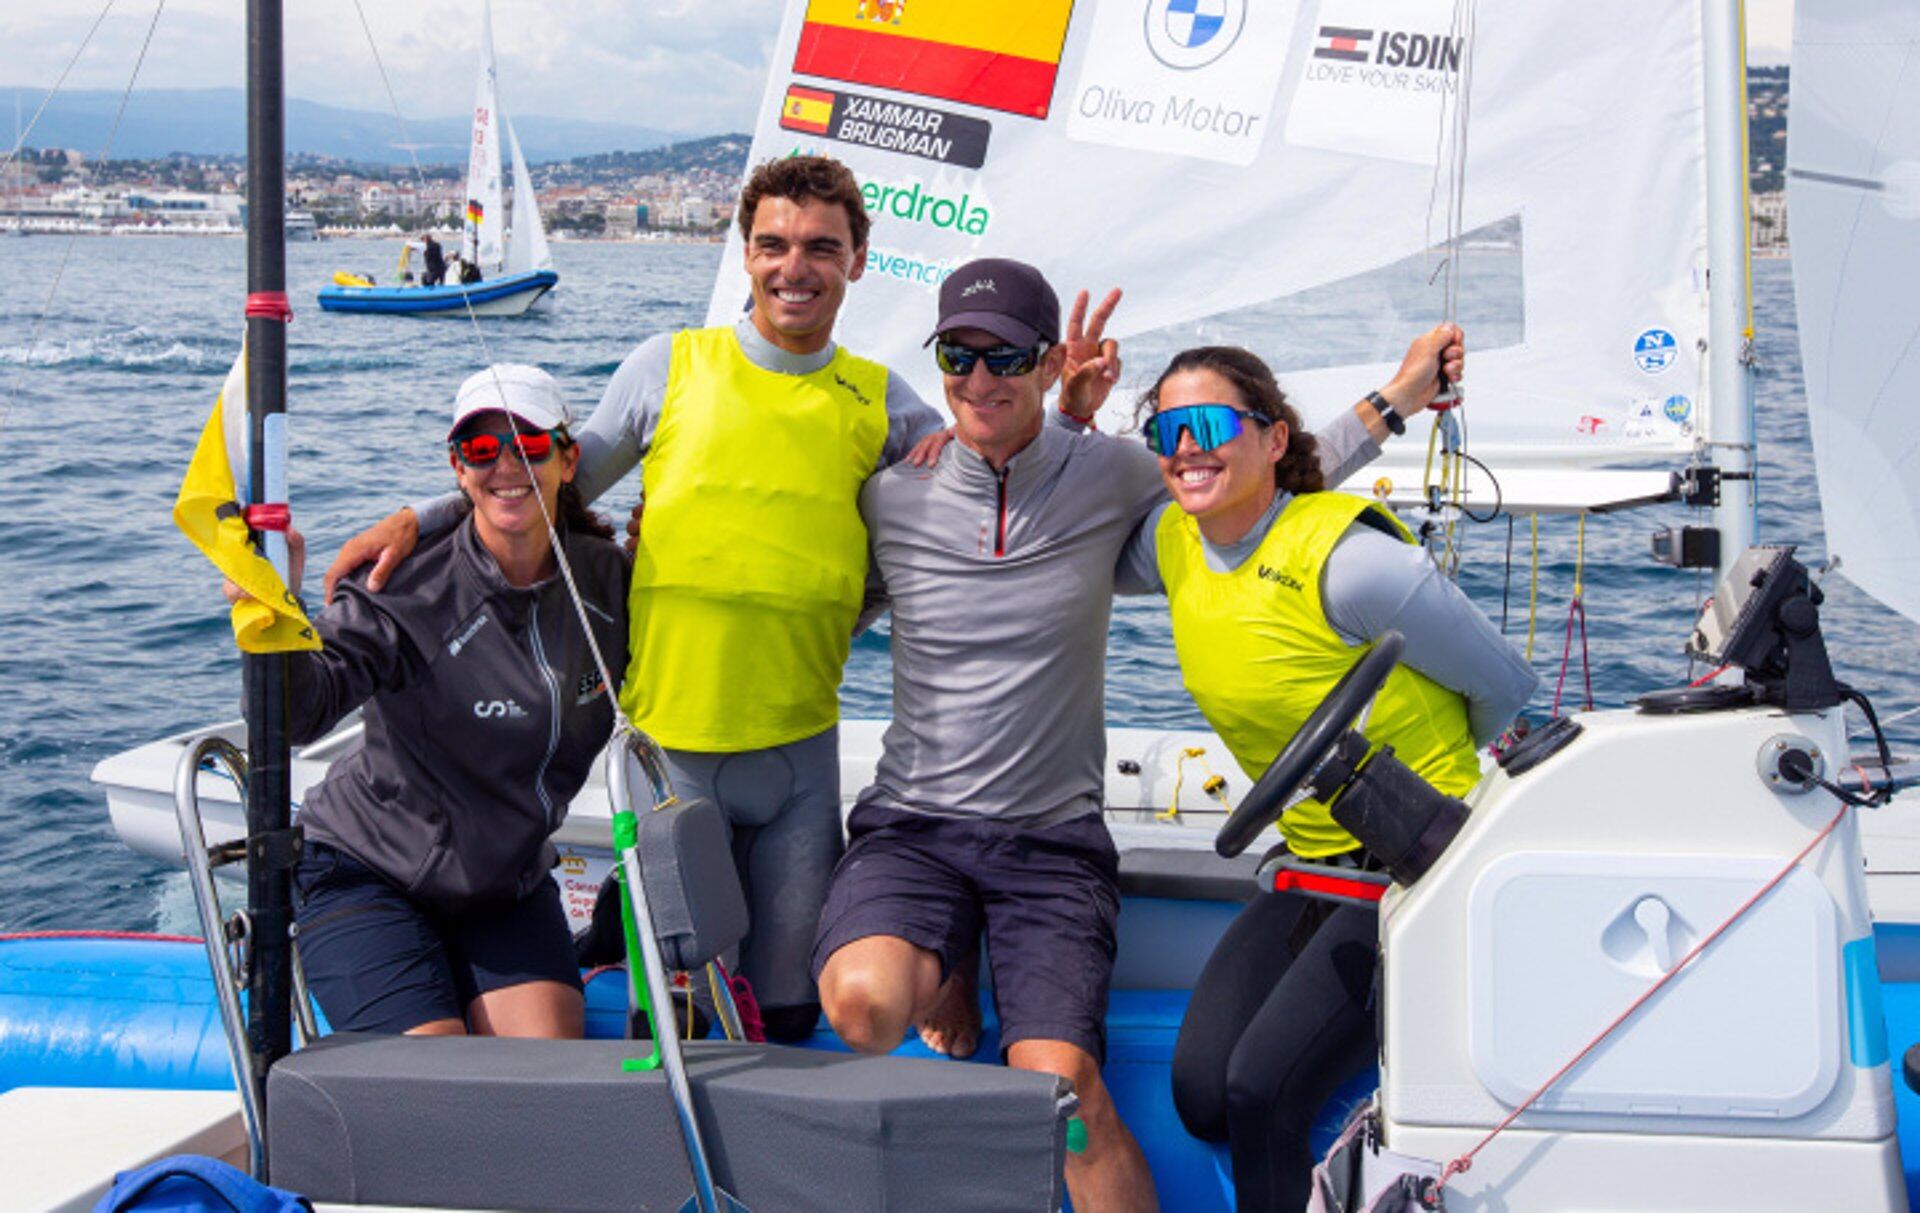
[269, 305]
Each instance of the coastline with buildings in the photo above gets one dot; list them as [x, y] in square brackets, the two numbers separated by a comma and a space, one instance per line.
[680, 192]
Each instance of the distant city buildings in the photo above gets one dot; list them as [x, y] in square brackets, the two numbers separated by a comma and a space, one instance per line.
[684, 191]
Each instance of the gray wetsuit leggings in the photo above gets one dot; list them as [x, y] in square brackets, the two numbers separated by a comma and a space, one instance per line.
[782, 807]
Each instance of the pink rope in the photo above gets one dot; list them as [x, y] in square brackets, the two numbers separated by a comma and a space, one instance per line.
[1465, 1162]
[751, 1021]
[16, 936]
[1576, 613]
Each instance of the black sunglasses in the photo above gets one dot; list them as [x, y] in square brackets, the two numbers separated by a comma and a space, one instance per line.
[1003, 361]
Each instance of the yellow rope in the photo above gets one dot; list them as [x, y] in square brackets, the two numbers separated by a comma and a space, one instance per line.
[1533, 587]
[1214, 786]
[1746, 178]
[713, 988]
[1580, 556]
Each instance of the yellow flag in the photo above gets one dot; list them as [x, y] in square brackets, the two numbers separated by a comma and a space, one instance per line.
[207, 513]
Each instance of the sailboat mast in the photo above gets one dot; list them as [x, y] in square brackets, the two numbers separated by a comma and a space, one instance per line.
[271, 847]
[1730, 311]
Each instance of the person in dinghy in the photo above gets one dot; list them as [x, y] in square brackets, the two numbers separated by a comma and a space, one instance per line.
[424, 899]
[1276, 589]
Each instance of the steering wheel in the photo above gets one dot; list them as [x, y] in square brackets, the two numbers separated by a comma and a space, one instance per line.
[1309, 747]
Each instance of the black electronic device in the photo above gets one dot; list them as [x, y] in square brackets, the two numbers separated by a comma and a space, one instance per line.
[1763, 619]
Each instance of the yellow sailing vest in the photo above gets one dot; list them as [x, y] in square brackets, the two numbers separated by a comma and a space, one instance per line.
[1258, 655]
[752, 558]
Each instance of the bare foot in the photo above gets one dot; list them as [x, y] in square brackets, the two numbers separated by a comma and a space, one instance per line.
[952, 1025]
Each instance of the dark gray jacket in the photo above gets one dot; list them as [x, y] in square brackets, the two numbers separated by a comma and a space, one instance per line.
[484, 713]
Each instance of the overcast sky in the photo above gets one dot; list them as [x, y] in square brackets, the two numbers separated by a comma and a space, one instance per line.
[696, 66]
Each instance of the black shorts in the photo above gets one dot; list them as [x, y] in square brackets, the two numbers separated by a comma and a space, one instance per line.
[377, 962]
[1047, 899]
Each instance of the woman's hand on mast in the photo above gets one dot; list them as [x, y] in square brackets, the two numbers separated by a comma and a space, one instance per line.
[633, 527]
[1093, 364]
[386, 543]
[296, 564]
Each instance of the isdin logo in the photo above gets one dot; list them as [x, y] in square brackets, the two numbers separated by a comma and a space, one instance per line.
[1189, 34]
[981, 286]
[916, 203]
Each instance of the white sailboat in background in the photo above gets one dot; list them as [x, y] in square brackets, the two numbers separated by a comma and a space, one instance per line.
[509, 248]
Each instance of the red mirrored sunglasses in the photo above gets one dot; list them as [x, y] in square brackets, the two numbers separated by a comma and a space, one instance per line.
[482, 450]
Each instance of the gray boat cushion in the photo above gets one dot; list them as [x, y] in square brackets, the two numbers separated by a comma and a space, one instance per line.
[693, 888]
[1188, 875]
[485, 1123]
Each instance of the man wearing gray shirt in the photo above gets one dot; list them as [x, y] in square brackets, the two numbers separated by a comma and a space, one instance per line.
[1000, 562]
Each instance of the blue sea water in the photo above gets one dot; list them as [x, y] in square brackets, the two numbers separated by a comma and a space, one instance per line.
[112, 631]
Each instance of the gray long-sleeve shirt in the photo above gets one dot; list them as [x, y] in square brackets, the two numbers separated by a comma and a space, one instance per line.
[1373, 582]
[1002, 587]
[615, 438]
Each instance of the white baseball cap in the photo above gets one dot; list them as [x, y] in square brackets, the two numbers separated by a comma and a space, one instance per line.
[529, 393]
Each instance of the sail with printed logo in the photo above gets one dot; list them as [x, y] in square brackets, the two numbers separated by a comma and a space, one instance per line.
[1274, 175]
[485, 213]
[1853, 207]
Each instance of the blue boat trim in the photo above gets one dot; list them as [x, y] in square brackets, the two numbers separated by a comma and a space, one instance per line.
[404, 299]
[1866, 1013]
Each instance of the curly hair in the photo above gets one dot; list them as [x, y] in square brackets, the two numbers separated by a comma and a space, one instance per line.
[1298, 470]
[805, 179]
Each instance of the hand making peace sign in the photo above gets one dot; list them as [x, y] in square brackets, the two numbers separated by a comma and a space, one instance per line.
[1093, 364]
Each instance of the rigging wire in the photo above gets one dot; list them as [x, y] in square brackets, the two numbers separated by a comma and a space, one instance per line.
[486, 354]
[66, 253]
[20, 140]
[1444, 480]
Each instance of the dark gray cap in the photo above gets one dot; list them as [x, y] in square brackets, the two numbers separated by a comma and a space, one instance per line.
[1009, 299]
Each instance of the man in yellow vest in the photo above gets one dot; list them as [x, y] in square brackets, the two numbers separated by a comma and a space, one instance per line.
[753, 440]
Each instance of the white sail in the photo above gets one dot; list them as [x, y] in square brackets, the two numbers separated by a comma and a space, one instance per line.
[484, 214]
[1853, 210]
[1232, 164]
[526, 236]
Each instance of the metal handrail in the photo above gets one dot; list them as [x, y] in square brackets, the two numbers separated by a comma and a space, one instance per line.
[213, 930]
[707, 1195]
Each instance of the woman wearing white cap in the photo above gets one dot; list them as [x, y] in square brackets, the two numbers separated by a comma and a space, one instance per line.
[424, 897]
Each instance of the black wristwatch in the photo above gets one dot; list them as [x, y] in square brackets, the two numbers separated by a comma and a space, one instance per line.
[1395, 423]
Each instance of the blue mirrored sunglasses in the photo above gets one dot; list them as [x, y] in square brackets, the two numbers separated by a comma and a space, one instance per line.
[1210, 425]
[1003, 361]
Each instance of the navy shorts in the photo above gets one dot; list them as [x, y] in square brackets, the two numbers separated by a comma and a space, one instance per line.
[1047, 899]
[378, 962]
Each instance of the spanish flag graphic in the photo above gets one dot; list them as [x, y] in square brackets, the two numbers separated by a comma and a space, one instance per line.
[996, 54]
[271, 621]
[807, 109]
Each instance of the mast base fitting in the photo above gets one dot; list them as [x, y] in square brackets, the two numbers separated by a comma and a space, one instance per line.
[1687, 547]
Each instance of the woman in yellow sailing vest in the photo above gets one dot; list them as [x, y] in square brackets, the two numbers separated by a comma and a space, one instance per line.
[1276, 589]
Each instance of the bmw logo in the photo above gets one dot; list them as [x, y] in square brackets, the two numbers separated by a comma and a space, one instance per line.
[1186, 34]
